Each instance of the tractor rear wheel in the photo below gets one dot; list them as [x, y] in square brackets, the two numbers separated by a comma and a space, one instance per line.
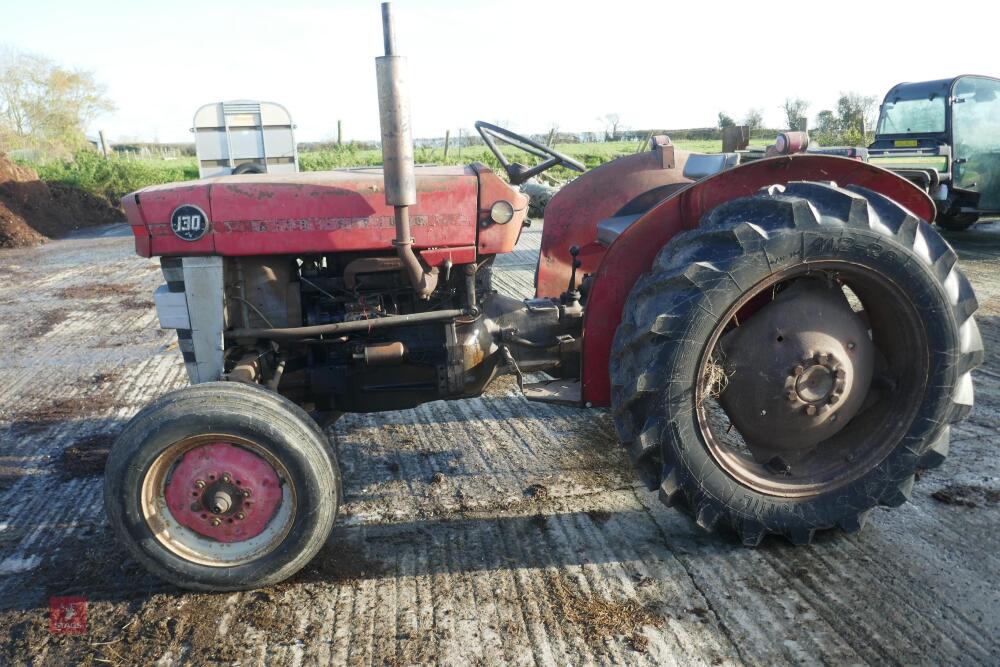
[222, 486]
[791, 363]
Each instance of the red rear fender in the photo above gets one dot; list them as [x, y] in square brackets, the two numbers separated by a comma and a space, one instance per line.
[633, 252]
[572, 215]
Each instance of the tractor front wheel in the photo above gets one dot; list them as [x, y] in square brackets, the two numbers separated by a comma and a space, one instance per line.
[222, 486]
[791, 363]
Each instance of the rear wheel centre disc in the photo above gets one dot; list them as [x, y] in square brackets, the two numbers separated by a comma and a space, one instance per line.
[797, 371]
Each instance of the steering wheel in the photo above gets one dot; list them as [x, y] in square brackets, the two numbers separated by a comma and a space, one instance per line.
[517, 172]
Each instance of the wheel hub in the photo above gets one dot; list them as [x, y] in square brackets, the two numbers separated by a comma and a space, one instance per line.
[224, 492]
[817, 383]
[797, 371]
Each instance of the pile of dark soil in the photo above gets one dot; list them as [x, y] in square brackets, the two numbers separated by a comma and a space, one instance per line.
[32, 210]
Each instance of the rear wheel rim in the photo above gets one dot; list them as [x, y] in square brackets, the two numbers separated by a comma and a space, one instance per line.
[898, 334]
[218, 500]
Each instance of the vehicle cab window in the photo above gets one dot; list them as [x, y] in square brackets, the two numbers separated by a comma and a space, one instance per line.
[976, 129]
[913, 116]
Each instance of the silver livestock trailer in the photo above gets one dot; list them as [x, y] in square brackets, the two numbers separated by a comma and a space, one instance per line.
[244, 137]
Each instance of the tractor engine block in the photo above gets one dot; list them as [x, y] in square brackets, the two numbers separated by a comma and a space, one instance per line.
[367, 370]
[415, 350]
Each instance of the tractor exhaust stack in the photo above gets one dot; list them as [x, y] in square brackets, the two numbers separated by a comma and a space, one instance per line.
[397, 154]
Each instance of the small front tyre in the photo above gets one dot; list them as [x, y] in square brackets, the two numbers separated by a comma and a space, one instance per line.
[222, 486]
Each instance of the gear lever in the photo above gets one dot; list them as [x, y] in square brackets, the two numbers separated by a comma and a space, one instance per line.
[571, 297]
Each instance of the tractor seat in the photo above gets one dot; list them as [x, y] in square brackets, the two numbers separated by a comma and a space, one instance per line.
[697, 167]
[609, 228]
[703, 165]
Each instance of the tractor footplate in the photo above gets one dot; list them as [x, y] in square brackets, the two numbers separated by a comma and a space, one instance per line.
[560, 392]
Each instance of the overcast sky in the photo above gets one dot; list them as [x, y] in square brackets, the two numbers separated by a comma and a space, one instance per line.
[528, 64]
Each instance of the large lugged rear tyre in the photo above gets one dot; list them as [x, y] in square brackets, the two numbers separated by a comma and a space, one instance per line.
[222, 486]
[915, 310]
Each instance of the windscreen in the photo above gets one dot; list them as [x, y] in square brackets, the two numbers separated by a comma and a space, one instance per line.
[918, 116]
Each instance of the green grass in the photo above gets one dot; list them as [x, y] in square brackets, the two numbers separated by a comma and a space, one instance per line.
[591, 155]
[115, 177]
[119, 175]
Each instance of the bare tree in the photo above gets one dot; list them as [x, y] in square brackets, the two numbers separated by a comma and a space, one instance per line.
[612, 121]
[42, 104]
[850, 124]
[754, 120]
[826, 121]
[795, 112]
[857, 111]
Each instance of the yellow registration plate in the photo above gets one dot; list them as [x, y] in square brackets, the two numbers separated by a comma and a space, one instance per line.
[905, 143]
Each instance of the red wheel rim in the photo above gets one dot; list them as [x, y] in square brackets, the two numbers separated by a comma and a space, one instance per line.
[223, 491]
[218, 500]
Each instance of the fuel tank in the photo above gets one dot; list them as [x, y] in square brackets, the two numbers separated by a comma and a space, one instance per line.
[303, 213]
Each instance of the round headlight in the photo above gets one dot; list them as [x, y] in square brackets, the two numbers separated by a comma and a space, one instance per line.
[502, 212]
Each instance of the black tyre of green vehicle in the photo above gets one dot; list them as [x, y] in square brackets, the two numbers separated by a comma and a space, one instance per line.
[956, 222]
[673, 311]
[281, 429]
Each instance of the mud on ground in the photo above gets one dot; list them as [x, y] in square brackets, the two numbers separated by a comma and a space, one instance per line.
[486, 531]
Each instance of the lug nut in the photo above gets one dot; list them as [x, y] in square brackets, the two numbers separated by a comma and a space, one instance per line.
[833, 398]
[200, 484]
[798, 370]
[216, 522]
[810, 410]
[840, 373]
[792, 395]
[241, 516]
[246, 493]
[851, 345]
[225, 478]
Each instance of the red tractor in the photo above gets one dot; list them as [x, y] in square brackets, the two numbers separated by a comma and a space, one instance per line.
[783, 344]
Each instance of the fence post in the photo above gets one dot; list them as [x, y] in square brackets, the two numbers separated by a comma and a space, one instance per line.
[552, 133]
[447, 138]
[340, 134]
[644, 143]
[735, 138]
[104, 143]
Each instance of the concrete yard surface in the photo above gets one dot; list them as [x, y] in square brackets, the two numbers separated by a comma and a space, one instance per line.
[487, 531]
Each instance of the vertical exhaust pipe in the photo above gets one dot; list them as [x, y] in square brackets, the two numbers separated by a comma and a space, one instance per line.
[397, 154]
